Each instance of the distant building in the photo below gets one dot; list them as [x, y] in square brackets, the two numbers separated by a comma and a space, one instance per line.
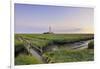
[49, 32]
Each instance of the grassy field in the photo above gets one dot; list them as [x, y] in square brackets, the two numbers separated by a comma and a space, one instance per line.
[46, 39]
[25, 42]
[60, 56]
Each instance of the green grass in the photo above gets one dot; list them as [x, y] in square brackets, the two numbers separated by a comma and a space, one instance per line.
[69, 56]
[39, 41]
[19, 48]
[26, 60]
[42, 40]
[91, 45]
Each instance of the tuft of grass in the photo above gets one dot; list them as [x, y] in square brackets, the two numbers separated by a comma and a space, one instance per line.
[91, 45]
[19, 48]
[26, 60]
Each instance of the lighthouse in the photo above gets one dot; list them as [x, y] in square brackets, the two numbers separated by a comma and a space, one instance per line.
[49, 31]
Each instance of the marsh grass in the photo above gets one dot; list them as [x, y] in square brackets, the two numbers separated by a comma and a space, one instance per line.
[70, 55]
[26, 60]
[91, 45]
[19, 48]
[42, 40]
[22, 57]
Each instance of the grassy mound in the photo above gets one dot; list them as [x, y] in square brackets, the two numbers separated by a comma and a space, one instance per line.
[26, 60]
[91, 45]
[19, 48]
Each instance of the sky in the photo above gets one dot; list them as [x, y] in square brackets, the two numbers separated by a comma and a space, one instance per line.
[30, 18]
